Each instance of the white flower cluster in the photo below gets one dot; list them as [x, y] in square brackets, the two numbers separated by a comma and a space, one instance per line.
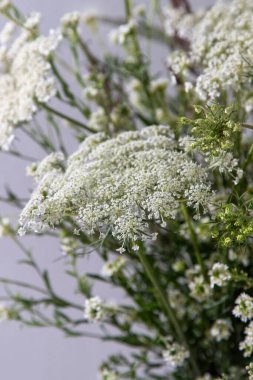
[118, 185]
[55, 160]
[25, 75]
[4, 313]
[226, 163]
[180, 23]
[221, 330]
[175, 354]
[69, 245]
[70, 20]
[219, 275]
[113, 267]
[94, 310]
[199, 288]
[244, 307]
[221, 44]
[247, 344]
[120, 35]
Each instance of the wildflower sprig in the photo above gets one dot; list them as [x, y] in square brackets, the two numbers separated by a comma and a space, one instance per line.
[234, 224]
[165, 209]
[213, 130]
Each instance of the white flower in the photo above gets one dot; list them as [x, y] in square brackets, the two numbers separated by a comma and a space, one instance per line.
[98, 120]
[199, 288]
[32, 22]
[247, 344]
[4, 313]
[244, 307]
[94, 310]
[23, 84]
[175, 354]
[113, 267]
[221, 41]
[219, 275]
[221, 330]
[119, 184]
[119, 36]
[89, 17]
[70, 20]
[7, 33]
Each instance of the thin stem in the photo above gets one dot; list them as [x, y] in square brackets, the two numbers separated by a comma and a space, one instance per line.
[68, 118]
[194, 240]
[164, 302]
[248, 126]
[128, 8]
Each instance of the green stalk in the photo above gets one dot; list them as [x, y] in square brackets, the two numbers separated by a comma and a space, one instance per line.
[67, 118]
[128, 8]
[164, 302]
[194, 240]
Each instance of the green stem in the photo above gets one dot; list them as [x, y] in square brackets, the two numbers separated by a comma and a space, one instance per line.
[128, 8]
[248, 126]
[68, 118]
[194, 241]
[164, 302]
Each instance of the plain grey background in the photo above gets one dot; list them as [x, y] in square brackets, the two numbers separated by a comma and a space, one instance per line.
[45, 354]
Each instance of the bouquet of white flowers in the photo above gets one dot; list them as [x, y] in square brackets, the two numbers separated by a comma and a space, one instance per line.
[159, 186]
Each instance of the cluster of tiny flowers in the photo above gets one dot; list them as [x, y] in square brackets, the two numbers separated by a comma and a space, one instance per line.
[199, 288]
[221, 330]
[94, 310]
[23, 85]
[247, 344]
[221, 43]
[213, 130]
[69, 245]
[249, 369]
[70, 20]
[120, 35]
[180, 23]
[214, 133]
[55, 160]
[235, 225]
[113, 267]
[219, 275]
[175, 354]
[119, 184]
[244, 307]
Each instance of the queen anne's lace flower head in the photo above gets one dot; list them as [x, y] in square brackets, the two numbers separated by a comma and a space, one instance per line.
[118, 185]
[220, 43]
[25, 78]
